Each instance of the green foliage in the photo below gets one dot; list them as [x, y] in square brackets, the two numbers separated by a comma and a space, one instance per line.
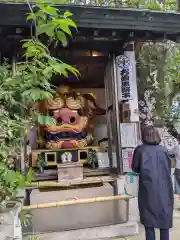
[34, 237]
[39, 67]
[22, 87]
[10, 183]
[158, 71]
[41, 163]
[92, 159]
[25, 218]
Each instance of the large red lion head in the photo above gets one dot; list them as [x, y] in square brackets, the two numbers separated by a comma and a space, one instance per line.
[73, 113]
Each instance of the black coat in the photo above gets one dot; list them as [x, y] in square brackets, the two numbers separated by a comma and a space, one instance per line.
[155, 197]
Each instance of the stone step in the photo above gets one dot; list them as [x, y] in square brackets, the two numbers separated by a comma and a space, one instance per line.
[95, 233]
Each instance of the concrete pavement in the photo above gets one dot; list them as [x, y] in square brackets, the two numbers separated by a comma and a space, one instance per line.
[174, 232]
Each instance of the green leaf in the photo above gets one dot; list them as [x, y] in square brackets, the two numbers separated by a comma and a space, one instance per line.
[27, 43]
[29, 176]
[39, 45]
[36, 94]
[41, 5]
[72, 70]
[47, 29]
[10, 134]
[59, 68]
[31, 16]
[63, 25]
[46, 120]
[47, 71]
[41, 15]
[67, 14]
[51, 10]
[25, 218]
[35, 237]
[31, 52]
[71, 23]
[62, 38]
[35, 48]
[21, 67]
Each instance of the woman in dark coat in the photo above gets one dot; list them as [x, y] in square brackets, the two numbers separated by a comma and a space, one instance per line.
[155, 197]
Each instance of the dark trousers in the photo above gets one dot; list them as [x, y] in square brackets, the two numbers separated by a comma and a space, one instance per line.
[150, 234]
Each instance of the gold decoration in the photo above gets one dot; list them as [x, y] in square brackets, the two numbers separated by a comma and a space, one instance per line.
[75, 104]
[55, 103]
[76, 144]
[93, 95]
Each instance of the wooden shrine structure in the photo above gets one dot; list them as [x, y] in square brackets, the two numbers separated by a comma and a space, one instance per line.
[104, 36]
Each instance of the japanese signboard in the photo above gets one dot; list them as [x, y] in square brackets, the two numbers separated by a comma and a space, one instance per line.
[127, 156]
[129, 135]
[123, 64]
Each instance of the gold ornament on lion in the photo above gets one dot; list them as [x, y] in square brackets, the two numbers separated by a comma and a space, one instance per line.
[55, 103]
[75, 104]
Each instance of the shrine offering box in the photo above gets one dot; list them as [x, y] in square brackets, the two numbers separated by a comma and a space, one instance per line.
[70, 172]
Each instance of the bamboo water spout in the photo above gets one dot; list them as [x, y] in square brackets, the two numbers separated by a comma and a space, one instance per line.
[78, 201]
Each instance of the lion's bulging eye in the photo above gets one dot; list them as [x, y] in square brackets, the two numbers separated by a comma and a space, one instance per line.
[59, 120]
[72, 119]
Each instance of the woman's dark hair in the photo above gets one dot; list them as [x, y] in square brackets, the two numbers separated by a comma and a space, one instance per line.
[150, 136]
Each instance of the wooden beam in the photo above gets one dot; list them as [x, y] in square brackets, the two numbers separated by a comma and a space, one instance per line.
[13, 14]
[83, 60]
[85, 181]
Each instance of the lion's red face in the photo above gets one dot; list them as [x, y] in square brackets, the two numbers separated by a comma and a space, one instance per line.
[73, 114]
[66, 116]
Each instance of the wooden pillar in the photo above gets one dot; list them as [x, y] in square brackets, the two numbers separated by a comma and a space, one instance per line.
[111, 90]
